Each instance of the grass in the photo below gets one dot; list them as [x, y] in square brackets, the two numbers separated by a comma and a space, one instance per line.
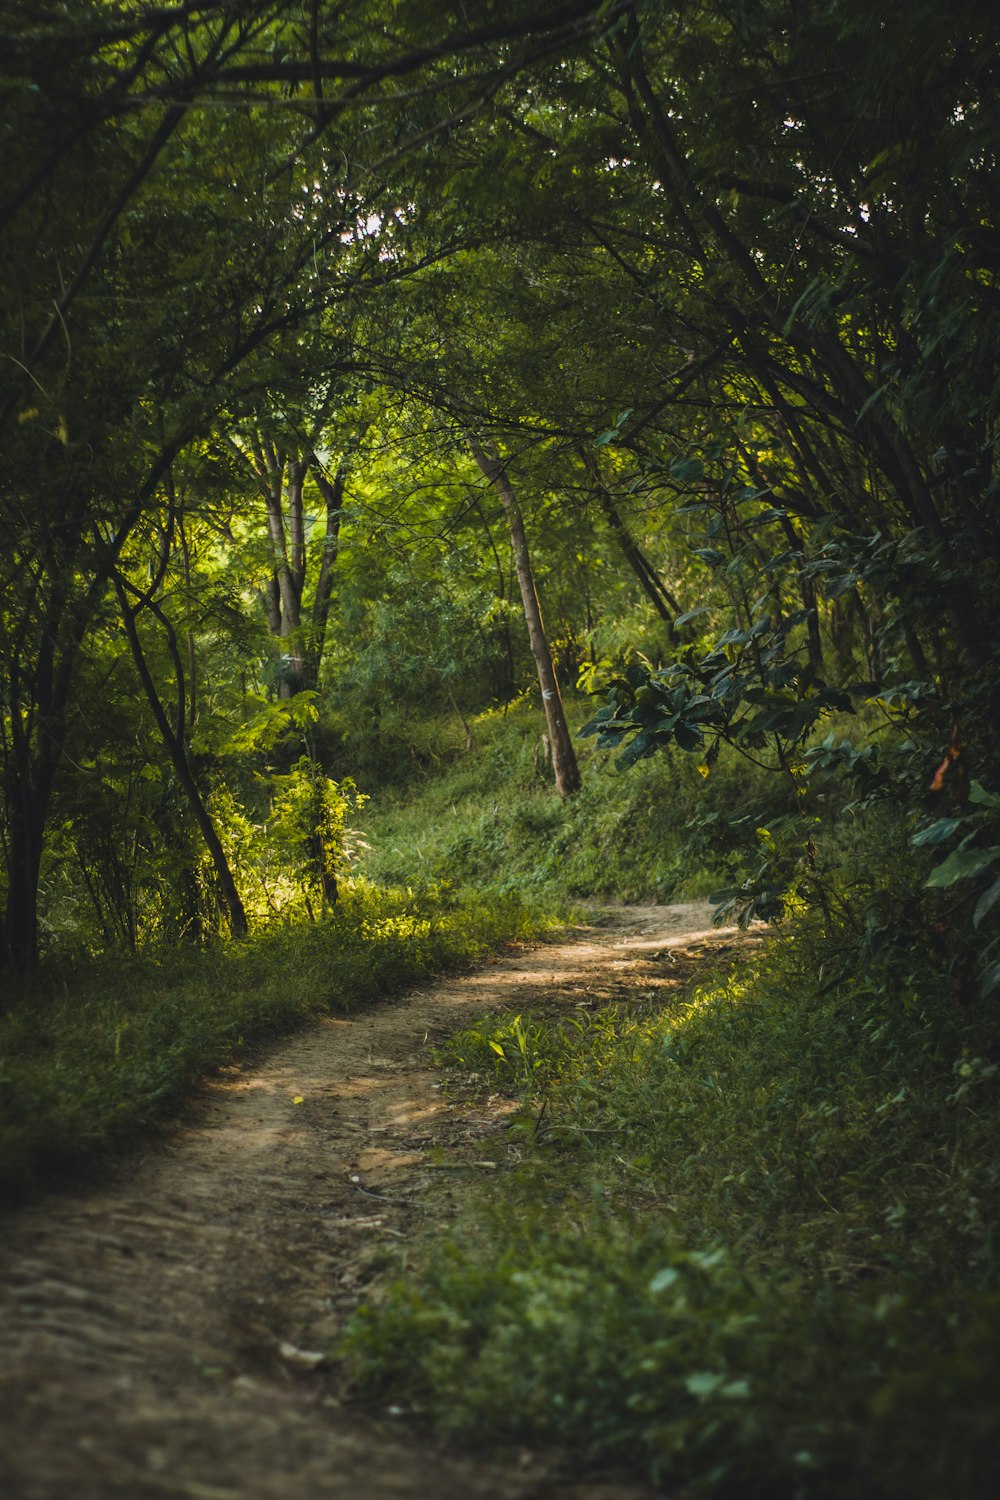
[95, 1055]
[93, 1052]
[745, 1246]
[658, 832]
[749, 1252]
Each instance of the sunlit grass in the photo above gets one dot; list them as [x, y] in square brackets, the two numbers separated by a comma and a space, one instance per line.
[748, 1247]
[92, 1056]
[658, 832]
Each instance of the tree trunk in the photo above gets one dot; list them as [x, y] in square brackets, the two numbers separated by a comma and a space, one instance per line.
[32, 748]
[192, 656]
[466, 726]
[283, 598]
[567, 772]
[666, 604]
[178, 756]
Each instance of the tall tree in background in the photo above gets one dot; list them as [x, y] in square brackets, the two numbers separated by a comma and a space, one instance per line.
[295, 621]
[564, 764]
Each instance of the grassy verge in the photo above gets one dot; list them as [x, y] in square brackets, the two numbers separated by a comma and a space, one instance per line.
[660, 831]
[749, 1251]
[91, 1057]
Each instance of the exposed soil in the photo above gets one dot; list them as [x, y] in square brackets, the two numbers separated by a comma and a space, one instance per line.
[160, 1329]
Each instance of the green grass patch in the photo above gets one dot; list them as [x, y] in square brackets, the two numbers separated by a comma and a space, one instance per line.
[94, 1055]
[748, 1249]
[661, 831]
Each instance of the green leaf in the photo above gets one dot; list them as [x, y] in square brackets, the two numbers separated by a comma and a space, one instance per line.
[692, 614]
[936, 833]
[644, 744]
[704, 1383]
[986, 903]
[981, 797]
[990, 981]
[687, 736]
[876, 395]
[687, 470]
[961, 864]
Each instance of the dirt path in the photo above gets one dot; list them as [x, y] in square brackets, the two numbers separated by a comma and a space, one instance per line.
[156, 1329]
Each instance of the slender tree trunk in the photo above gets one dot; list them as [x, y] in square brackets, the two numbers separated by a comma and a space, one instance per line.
[292, 576]
[564, 764]
[283, 599]
[30, 772]
[192, 657]
[466, 726]
[272, 604]
[33, 747]
[332, 492]
[666, 604]
[178, 756]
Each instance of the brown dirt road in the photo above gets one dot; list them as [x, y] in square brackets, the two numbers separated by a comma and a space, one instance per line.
[157, 1326]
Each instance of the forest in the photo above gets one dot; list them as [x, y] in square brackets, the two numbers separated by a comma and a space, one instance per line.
[472, 467]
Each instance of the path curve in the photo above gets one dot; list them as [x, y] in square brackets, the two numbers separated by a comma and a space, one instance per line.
[160, 1328]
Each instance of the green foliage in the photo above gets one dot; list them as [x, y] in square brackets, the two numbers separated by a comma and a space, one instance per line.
[749, 1250]
[769, 703]
[629, 1348]
[514, 1052]
[733, 320]
[975, 820]
[662, 832]
[91, 1059]
[309, 829]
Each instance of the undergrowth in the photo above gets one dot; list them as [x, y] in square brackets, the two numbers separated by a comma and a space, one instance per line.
[745, 1246]
[94, 1055]
[661, 831]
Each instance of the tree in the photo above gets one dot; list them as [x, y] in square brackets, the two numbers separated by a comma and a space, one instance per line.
[701, 322]
[564, 766]
[180, 196]
[298, 626]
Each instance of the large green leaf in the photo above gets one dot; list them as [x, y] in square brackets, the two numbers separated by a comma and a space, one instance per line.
[961, 864]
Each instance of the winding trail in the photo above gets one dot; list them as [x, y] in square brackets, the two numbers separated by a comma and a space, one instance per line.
[161, 1328]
